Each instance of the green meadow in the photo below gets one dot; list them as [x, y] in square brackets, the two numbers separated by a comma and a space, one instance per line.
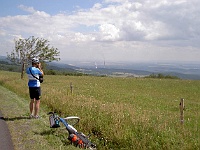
[122, 113]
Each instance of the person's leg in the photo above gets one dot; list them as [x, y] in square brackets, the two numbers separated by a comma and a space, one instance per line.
[37, 102]
[31, 106]
[37, 107]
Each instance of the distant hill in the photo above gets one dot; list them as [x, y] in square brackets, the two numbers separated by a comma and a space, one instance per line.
[61, 66]
[184, 76]
[8, 66]
[4, 58]
[183, 70]
[136, 73]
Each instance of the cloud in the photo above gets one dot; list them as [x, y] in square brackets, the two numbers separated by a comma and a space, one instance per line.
[129, 24]
[109, 32]
[27, 9]
[115, 1]
[129, 21]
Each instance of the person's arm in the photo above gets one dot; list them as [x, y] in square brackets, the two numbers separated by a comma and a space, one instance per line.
[41, 71]
[40, 68]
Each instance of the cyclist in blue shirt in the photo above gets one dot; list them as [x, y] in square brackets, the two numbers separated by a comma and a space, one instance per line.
[34, 87]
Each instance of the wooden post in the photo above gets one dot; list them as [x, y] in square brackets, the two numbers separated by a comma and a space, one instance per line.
[71, 88]
[181, 110]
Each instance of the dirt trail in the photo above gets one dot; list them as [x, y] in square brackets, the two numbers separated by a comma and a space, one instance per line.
[5, 138]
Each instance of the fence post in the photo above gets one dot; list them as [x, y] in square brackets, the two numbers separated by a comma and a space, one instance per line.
[181, 110]
[71, 88]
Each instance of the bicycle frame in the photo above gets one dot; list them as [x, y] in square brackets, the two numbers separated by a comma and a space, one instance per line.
[77, 138]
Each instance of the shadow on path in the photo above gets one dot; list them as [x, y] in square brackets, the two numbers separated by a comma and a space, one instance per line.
[14, 118]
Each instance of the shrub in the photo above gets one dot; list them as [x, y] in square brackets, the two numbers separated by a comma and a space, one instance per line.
[162, 76]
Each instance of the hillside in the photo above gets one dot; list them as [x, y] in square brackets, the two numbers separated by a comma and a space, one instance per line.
[122, 113]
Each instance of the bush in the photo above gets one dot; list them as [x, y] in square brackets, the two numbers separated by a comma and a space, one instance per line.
[161, 76]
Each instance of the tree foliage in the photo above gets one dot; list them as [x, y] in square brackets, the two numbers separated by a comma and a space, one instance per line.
[26, 49]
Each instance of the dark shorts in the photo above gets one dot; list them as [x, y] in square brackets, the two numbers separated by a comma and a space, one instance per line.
[35, 92]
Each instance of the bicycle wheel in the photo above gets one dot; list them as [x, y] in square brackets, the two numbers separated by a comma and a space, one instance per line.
[72, 120]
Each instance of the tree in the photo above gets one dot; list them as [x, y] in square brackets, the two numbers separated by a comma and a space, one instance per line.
[27, 49]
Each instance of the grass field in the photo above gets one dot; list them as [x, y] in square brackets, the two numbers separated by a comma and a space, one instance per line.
[123, 113]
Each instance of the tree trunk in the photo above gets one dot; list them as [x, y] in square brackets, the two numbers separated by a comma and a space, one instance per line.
[22, 72]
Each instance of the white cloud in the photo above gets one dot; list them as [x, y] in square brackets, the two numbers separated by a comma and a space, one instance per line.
[134, 26]
[27, 9]
[115, 1]
[2, 33]
[109, 32]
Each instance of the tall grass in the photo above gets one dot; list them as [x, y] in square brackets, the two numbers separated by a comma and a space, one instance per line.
[123, 113]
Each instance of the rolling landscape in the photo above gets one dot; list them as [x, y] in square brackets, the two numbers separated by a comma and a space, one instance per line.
[118, 107]
[182, 70]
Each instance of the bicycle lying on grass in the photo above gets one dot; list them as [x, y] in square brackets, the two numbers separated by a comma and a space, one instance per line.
[77, 138]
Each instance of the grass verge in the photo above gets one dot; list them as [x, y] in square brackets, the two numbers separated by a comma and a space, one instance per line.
[28, 133]
[130, 113]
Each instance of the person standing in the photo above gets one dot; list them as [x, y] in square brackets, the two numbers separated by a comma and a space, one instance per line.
[34, 87]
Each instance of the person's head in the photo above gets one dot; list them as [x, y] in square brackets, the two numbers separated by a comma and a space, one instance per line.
[35, 62]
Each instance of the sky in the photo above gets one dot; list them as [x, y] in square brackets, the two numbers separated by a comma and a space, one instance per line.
[106, 30]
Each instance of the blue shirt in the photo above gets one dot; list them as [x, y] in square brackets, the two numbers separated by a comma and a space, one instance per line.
[33, 82]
